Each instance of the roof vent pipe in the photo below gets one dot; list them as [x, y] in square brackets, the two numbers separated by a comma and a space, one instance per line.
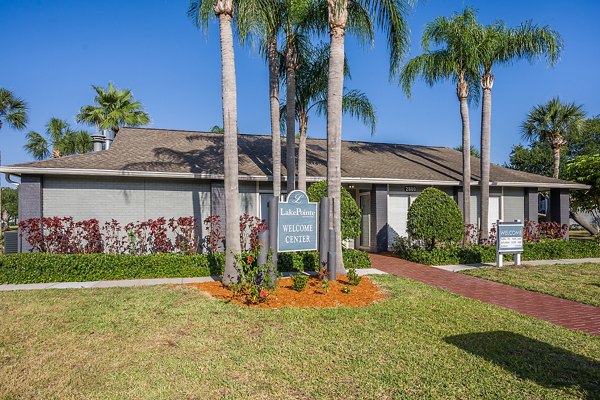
[108, 138]
[98, 142]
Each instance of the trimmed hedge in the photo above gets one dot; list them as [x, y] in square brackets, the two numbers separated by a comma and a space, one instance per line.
[43, 267]
[548, 249]
[309, 260]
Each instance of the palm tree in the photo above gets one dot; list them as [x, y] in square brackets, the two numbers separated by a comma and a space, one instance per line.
[13, 110]
[60, 140]
[552, 122]
[113, 109]
[390, 17]
[311, 95]
[263, 19]
[201, 11]
[503, 45]
[458, 61]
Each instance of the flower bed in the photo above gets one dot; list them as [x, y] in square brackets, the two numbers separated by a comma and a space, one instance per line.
[314, 295]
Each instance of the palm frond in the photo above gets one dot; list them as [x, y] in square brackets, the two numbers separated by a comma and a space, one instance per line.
[13, 110]
[37, 146]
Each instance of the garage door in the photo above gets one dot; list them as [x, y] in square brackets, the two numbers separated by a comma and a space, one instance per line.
[397, 213]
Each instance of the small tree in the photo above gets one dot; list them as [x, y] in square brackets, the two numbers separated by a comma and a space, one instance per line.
[586, 170]
[435, 217]
[349, 209]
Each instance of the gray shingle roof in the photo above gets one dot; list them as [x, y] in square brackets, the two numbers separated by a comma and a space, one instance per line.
[200, 153]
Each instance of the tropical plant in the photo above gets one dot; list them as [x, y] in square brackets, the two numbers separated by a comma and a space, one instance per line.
[311, 95]
[456, 58]
[586, 170]
[10, 204]
[201, 12]
[113, 109]
[263, 19]
[59, 140]
[500, 45]
[552, 122]
[389, 17]
[474, 152]
[13, 110]
[216, 129]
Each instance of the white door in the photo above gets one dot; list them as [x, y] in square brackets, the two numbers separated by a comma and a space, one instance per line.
[493, 211]
[365, 223]
[397, 215]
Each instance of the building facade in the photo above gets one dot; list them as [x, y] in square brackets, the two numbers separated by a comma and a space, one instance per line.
[151, 173]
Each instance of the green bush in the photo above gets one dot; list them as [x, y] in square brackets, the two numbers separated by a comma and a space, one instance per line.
[434, 217]
[42, 267]
[349, 209]
[356, 259]
[309, 260]
[299, 282]
[353, 277]
[549, 249]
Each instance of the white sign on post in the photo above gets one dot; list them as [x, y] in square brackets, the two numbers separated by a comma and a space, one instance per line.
[509, 240]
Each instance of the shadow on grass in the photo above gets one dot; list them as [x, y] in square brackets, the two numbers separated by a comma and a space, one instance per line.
[542, 363]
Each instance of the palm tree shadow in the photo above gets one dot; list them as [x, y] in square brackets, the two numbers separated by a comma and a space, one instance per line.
[547, 365]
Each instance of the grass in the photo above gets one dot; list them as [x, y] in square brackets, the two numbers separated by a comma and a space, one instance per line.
[577, 282]
[176, 343]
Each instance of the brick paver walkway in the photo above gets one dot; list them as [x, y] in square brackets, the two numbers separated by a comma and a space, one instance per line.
[572, 315]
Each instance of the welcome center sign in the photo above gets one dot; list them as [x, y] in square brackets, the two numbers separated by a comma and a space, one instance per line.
[297, 223]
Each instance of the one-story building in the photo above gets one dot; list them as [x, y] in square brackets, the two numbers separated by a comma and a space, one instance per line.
[150, 173]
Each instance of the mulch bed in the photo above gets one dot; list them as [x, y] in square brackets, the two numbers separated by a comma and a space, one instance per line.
[365, 293]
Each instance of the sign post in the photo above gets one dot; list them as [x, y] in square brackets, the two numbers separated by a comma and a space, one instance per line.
[509, 241]
[297, 227]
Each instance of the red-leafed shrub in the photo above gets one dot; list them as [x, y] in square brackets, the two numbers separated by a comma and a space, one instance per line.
[114, 240]
[213, 241]
[250, 227]
[186, 238]
[58, 235]
[533, 231]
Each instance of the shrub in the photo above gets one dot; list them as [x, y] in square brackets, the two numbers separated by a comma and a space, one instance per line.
[434, 217]
[347, 290]
[353, 277]
[356, 259]
[299, 282]
[43, 267]
[545, 249]
[254, 283]
[350, 212]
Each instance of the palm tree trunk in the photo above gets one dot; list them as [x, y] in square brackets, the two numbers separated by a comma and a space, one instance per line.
[303, 125]
[290, 143]
[230, 150]
[274, 105]
[338, 16]
[556, 153]
[487, 81]
[463, 92]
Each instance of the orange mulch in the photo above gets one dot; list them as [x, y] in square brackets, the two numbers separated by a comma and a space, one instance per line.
[365, 293]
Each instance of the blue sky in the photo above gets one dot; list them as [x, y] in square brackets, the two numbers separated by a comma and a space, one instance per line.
[55, 50]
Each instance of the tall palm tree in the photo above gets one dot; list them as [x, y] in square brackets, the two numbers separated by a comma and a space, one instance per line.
[201, 11]
[13, 110]
[311, 95]
[113, 109]
[552, 122]
[59, 140]
[458, 61]
[264, 19]
[390, 17]
[502, 45]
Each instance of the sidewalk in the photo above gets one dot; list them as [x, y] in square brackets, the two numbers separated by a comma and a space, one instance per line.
[142, 282]
[566, 313]
[460, 267]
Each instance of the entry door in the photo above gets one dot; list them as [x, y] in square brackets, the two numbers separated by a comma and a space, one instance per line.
[365, 223]
[397, 216]
[493, 211]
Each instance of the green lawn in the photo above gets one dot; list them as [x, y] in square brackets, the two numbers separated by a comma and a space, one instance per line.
[578, 282]
[176, 343]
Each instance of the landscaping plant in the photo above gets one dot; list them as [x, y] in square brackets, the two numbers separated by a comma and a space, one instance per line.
[353, 277]
[350, 212]
[253, 283]
[434, 218]
[299, 282]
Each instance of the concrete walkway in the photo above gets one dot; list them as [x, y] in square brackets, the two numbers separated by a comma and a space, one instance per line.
[142, 282]
[570, 314]
[460, 267]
